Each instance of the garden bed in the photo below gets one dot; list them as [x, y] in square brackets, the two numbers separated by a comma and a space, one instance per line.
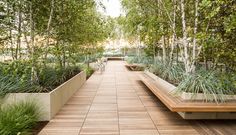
[51, 102]
[187, 107]
[185, 95]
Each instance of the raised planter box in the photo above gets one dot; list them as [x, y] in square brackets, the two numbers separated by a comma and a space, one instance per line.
[50, 103]
[164, 85]
[185, 96]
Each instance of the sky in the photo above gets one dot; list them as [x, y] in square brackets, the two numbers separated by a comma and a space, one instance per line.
[113, 7]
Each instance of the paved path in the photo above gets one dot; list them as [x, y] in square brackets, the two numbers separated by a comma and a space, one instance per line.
[116, 102]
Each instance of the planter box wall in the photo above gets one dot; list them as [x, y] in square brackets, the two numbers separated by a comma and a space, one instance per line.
[204, 115]
[200, 96]
[160, 82]
[50, 103]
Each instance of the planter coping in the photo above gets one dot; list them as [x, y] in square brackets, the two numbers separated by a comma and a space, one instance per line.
[58, 87]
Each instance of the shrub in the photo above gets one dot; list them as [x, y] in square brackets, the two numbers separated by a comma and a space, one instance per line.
[17, 68]
[173, 74]
[208, 83]
[88, 70]
[212, 84]
[18, 118]
[227, 82]
[139, 60]
[50, 78]
[16, 77]
[14, 84]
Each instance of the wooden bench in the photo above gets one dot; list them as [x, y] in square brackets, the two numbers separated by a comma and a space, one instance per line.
[115, 58]
[177, 104]
[135, 67]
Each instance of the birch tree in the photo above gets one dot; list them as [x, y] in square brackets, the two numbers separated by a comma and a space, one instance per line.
[174, 31]
[192, 68]
[189, 60]
[19, 31]
[49, 28]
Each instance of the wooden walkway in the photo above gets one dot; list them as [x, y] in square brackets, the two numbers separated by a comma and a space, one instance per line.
[117, 103]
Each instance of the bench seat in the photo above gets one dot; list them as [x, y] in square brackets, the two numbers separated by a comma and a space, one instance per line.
[177, 104]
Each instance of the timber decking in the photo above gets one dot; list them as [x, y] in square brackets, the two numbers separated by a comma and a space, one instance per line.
[176, 104]
[116, 102]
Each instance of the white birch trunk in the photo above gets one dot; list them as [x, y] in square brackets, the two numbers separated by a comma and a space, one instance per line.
[34, 77]
[185, 42]
[194, 38]
[174, 32]
[18, 46]
[48, 28]
[10, 32]
[163, 48]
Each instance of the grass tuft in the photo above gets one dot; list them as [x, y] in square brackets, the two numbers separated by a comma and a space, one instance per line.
[18, 118]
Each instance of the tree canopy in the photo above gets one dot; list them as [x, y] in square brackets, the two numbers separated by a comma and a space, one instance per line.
[197, 30]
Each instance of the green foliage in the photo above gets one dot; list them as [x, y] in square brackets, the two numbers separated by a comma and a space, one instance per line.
[15, 77]
[61, 30]
[212, 84]
[88, 70]
[13, 84]
[16, 68]
[50, 78]
[57, 34]
[174, 74]
[218, 17]
[18, 118]
[139, 60]
[156, 22]
[216, 28]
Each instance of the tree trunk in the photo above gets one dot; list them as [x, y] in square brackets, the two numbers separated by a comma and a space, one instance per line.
[64, 56]
[18, 46]
[174, 32]
[177, 53]
[10, 32]
[194, 37]
[27, 42]
[34, 77]
[48, 31]
[163, 49]
[12, 47]
[185, 42]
